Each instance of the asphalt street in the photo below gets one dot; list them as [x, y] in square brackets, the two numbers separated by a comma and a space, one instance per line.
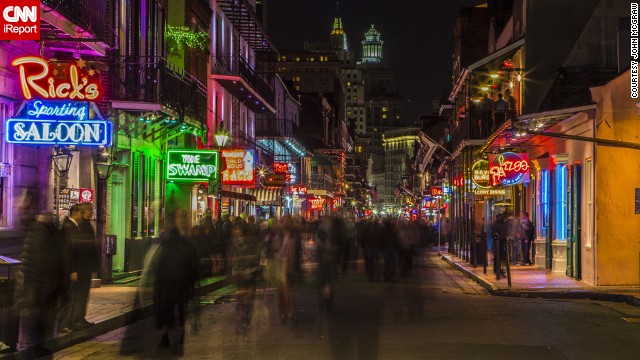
[436, 313]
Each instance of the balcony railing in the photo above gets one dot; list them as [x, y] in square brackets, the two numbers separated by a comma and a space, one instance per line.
[223, 65]
[477, 125]
[319, 182]
[277, 128]
[91, 15]
[154, 80]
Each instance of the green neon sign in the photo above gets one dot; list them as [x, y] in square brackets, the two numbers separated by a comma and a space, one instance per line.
[192, 165]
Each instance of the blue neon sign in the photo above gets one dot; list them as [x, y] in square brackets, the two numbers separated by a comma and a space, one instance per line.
[58, 132]
[57, 110]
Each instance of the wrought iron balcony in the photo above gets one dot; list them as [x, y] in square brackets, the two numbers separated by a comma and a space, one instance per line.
[479, 125]
[319, 182]
[154, 80]
[275, 128]
[243, 82]
[90, 15]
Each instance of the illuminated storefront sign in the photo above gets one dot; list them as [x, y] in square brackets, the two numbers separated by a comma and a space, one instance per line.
[58, 110]
[480, 174]
[74, 80]
[317, 203]
[489, 191]
[240, 168]
[192, 165]
[298, 189]
[437, 191]
[64, 132]
[280, 168]
[508, 168]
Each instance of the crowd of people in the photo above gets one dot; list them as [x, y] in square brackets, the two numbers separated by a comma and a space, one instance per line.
[58, 262]
[513, 237]
[55, 274]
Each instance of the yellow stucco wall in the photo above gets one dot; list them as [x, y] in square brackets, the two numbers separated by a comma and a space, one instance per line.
[617, 177]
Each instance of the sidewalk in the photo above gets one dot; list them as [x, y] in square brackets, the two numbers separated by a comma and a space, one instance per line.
[526, 281]
[114, 306]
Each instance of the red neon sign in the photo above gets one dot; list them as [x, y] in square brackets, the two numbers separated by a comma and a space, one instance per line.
[298, 189]
[508, 168]
[459, 181]
[280, 168]
[317, 203]
[239, 167]
[437, 191]
[73, 81]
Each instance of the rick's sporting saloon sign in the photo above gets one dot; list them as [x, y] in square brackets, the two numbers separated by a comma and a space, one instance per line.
[57, 109]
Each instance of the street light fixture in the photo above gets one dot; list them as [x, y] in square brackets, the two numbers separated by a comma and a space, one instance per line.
[222, 137]
[104, 163]
[61, 159]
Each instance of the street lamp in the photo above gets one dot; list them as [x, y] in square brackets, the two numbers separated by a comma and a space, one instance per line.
[222, 137]
[61, 159]
[104, 164]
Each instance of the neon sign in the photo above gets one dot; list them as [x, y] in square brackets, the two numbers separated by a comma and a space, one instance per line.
[437, 191]
[280, 168]
[317, 203]
[508, 168]
[63, 132]
[39, 78]
[240, 168]
[298, 189]
[192, 165]
[480, 174]
[59, 110]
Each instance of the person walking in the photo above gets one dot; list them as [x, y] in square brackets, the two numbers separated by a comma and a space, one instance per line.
[245, 255]
[43, 283]
[499, 246]
[80, 256]
[527, 239]
[514, 238]
[175, 270]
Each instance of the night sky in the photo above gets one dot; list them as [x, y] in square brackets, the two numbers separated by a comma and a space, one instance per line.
[417, 35]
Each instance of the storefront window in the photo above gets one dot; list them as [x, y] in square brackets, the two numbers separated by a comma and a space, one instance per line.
[542, 200]
[560, 203]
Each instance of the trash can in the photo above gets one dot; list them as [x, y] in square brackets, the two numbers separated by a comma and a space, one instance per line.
[9, 319]
[478, 251]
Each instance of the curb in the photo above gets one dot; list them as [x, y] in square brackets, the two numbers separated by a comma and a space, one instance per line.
[571, 295]
[103, 327]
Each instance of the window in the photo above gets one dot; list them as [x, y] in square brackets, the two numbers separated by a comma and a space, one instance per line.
[589, 202]
[560, 203]
[543, 203]
[384, 116]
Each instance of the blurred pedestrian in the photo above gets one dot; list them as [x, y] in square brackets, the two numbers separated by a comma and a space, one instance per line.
[515, 234]
[81, 257]
[327, 260]
[245, 255]
[43, 282]
[499, 229]
[527, 239]
[175, 270]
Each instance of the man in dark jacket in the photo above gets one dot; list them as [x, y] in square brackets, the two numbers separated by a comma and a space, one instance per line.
[81, 256]
[43, 283]
[176, 272]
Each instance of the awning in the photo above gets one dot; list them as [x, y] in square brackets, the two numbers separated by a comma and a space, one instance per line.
[268, 196]
[239, 196]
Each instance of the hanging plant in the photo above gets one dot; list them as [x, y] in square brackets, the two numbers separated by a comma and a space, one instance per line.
[181, 37]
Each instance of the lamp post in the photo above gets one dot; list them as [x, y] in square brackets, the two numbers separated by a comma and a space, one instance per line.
[104, 166]
[221, 137]
[61, 161]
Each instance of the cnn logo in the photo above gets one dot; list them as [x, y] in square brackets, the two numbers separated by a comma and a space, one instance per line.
[20, 20]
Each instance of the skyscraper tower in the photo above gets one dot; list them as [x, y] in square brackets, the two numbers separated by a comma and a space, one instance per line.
[338, 37]
[372, 47]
